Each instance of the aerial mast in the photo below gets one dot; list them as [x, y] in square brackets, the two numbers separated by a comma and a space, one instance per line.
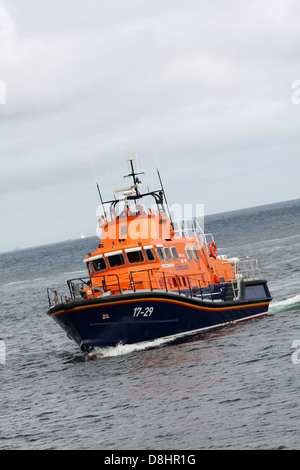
[134, 175]
[164, 194]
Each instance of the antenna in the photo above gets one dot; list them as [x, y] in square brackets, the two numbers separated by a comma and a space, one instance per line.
[163, 192]
[101, 200]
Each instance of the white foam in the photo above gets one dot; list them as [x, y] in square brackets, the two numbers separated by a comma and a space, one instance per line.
[283, 305]
[123, 349]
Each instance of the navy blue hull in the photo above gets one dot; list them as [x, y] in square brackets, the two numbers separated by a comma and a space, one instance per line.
[144, 316]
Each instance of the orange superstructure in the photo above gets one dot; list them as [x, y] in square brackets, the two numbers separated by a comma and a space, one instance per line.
[143, 248]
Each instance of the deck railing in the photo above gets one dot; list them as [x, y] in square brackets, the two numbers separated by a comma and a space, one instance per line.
[141, 280]
[189, 228]
[247, 268]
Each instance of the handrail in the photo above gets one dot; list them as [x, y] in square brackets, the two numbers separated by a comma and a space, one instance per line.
[190, 286]
[189, 228]
[106, 286]
[132, 282]
[171, 283]
[247, 268]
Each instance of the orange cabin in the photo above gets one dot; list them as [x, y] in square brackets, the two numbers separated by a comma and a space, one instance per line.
[144, 250]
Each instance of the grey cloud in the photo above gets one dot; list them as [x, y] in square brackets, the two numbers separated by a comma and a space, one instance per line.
[208, 84]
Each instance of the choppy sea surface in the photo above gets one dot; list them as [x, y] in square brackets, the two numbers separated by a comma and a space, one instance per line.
[234, 388]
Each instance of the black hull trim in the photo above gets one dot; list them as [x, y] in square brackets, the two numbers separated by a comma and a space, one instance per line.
[147, 315]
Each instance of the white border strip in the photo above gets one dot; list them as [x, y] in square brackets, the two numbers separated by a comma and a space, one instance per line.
[130, 250]
[111, 253]
[86, 260]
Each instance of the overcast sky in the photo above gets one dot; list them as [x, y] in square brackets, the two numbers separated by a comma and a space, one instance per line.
[204, 86]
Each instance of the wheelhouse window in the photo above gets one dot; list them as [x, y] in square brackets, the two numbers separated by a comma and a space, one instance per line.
[149, 254]
[116, 260]
[188, 253]
[174, 252]
[90, 269]
[160, 253]
[195, 253]
[167, 254]
[99, 264]
[135, 256]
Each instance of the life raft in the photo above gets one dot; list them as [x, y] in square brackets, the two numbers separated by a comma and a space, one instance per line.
[213, 249]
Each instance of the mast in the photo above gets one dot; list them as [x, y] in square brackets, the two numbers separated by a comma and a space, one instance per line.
[164, 195]
[132, 193]
[134, 175]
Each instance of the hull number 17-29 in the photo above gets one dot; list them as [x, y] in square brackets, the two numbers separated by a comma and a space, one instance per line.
[143, 312]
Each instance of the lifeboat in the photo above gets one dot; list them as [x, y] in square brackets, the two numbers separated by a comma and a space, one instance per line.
[154, 277]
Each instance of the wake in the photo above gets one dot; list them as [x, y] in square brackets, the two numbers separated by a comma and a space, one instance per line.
[123, 349]
[285, 305]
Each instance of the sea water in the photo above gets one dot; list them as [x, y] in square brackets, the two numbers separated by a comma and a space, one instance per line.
[234, 388]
